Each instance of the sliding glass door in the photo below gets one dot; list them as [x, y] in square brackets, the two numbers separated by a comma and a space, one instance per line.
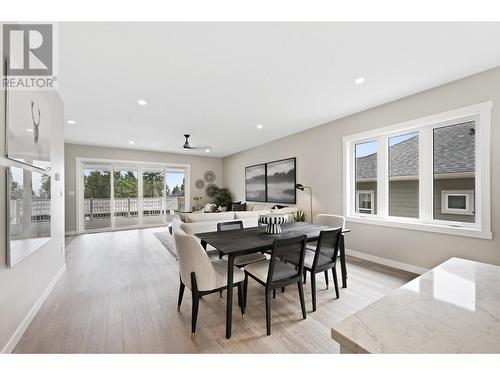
[120, 196]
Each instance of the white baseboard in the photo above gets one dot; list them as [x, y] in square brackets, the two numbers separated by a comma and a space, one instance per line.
[11, 344]
[386, 262]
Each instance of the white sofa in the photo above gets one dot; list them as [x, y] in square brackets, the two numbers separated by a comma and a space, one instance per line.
[199, 222]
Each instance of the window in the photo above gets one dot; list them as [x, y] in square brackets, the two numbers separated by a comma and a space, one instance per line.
[427, 174]
[456, 202]
[365, 201]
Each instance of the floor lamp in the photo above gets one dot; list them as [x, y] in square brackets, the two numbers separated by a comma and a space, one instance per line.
[301, 188]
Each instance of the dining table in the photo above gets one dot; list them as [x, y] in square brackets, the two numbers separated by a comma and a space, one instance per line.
[233, 243]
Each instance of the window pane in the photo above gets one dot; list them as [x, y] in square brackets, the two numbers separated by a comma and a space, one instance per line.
[97, 198]
[366, 177]
[125, 196]
[403, 175]
[153, 188]
[454, 172]
[175, 191]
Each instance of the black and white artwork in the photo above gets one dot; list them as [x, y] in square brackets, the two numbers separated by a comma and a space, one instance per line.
[28, 213]
[281, 181]
[255, 183]
[28, 128]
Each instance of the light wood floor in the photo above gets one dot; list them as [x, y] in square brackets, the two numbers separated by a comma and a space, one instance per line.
[119, 294]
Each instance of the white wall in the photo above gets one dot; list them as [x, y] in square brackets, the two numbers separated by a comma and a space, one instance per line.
[319, 164]
[199, 165]
[23, 288]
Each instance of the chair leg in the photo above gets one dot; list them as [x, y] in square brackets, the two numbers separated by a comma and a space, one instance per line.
[268, 312]
[313, 289]
[194, 313]
[240, 299]
[326, 278]
[283, 289]
[302, 301]
[274, 293]
[181, 294]
[335, 282]
[220, 293]
[245, 291]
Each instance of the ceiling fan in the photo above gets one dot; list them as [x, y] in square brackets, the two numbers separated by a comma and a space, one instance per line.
[188, 146]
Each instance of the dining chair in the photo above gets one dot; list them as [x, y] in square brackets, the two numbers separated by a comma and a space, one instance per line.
[240, 260]
[201, 275]
[334, 221]
[323, 259]
[284, 268]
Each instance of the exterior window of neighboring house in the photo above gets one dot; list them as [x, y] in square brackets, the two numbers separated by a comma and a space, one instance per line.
[429, 174]
[365, 201]
[366, 177]
[457, 202]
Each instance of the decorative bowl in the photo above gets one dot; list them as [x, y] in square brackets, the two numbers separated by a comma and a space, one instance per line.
[273, 222]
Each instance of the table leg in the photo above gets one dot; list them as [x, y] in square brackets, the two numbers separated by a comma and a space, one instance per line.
[342, 261]
[229, 306]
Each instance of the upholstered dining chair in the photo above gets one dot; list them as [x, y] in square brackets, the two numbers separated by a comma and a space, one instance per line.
[284, 268]
[201, 275]
[323, 259]
[241, 260]
[334, 221]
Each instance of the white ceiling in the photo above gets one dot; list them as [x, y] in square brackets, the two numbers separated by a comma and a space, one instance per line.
[217, 81]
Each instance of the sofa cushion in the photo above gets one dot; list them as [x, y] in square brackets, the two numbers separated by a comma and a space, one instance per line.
[211, 226]
[238, 206]
[212, 216]
[246, 214]
[257, 207]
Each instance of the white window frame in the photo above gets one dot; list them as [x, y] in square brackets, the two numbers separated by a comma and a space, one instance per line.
[372, 199]
[479, 113]
[469, 202]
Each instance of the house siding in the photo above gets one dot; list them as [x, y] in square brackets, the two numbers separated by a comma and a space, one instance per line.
[403, 198]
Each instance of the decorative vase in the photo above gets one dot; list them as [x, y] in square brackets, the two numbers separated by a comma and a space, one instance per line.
[273, 222]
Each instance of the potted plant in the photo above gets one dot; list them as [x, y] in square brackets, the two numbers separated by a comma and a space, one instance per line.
[223, 198]
[299, 216]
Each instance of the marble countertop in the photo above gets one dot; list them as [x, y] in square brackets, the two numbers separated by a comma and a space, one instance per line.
[453, 308]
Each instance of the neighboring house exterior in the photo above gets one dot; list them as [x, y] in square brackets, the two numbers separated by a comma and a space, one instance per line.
[454, 176]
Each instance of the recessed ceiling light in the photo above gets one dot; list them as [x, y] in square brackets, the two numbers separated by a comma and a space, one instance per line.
[359, 81]
[131, 142]
[30, 130]
[142, 102]
[259, 126]
[71, 122]
[207, 150]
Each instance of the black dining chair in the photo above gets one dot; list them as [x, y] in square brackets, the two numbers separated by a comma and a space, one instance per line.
[277, 272]
[240, 260]
[323, 259]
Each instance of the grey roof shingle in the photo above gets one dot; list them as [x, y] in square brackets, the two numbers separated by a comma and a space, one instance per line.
[454, 152]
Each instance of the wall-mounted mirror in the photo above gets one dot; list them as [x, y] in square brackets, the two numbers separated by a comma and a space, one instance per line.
[28, 213]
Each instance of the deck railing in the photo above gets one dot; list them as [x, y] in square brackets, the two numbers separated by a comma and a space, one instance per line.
[100, 208]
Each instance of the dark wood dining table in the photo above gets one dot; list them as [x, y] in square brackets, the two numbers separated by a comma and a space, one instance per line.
[253, 240]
